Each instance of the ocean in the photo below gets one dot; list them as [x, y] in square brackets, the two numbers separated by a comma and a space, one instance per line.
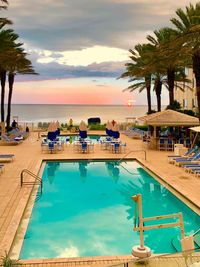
[34, 113]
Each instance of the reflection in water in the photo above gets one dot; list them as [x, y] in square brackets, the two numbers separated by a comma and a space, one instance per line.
[113, 170]
[51, 171]
[83, 170]
[152, 191]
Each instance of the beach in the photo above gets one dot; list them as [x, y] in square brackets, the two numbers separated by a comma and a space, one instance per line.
[34, 113]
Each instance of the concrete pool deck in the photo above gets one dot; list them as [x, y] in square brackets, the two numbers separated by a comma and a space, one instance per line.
[13, 198]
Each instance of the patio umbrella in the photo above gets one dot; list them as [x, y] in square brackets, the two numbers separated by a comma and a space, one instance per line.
[109, 128]
[197, 130]
[115, 130]
[83, 130]
[50, 128]
[57, 124]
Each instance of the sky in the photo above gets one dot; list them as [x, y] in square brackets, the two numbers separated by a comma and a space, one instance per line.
[80, 47]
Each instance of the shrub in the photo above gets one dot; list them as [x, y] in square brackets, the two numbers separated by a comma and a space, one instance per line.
[97, 126]
[141, 127]
[189, 112]
[175, 106]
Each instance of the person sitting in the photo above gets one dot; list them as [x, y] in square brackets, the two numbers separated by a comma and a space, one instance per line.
[14, 124]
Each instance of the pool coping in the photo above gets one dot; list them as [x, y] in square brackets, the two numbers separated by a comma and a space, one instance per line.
[157, 177]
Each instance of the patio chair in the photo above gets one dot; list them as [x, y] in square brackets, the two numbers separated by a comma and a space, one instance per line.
[84, 147]
[181, 141]
[51, 147]
[116, 148]
[161, 144]
[123, 148]
[170, 144]
[187, 142]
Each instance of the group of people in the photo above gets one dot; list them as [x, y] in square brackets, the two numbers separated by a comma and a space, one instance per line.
[14, 125]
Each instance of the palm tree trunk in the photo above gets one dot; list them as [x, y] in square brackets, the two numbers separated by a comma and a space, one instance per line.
[158, 89]
[170, 81]
[148, 88]
[3, 83]
[196, 70]
[11, 77]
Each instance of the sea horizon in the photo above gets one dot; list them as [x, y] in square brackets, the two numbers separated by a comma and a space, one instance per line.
[35, 113]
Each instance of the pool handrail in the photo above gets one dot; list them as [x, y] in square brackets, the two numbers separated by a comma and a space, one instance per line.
[142, 150]
[37, 179]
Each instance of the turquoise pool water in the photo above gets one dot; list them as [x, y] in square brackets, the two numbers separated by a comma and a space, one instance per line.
[86, 210]
[72, 138]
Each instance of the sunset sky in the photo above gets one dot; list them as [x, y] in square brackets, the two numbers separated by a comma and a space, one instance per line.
[79, 47]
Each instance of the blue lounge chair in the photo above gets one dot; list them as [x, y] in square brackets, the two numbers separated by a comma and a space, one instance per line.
[184, 161]
[172, 158]
[196, 155]
[189, 152]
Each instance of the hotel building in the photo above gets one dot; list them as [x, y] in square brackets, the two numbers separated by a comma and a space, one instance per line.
[187, 98]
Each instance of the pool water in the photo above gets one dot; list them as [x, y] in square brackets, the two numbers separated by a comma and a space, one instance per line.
[86, 210]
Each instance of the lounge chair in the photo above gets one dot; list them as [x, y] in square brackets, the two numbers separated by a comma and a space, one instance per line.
[190, 151]
[192, 166]
[7, 157]
[6, 140]
[51, 147]
[184, 161]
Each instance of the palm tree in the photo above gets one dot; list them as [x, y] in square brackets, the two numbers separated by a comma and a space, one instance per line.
[139, 76]
[4, 4]
[188, 27]
[7, 45]
[170, 61]
[16, 63]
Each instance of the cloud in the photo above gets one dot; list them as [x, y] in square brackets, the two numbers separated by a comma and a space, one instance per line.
[54, 70]
[77, 24]
[70, 251]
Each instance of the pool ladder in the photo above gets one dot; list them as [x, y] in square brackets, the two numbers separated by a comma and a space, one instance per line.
[175, 242]
[37, 181]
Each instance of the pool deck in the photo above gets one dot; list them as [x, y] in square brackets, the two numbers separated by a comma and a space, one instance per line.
[28, 155]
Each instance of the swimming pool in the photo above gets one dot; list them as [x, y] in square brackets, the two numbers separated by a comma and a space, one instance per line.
[86, 210]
